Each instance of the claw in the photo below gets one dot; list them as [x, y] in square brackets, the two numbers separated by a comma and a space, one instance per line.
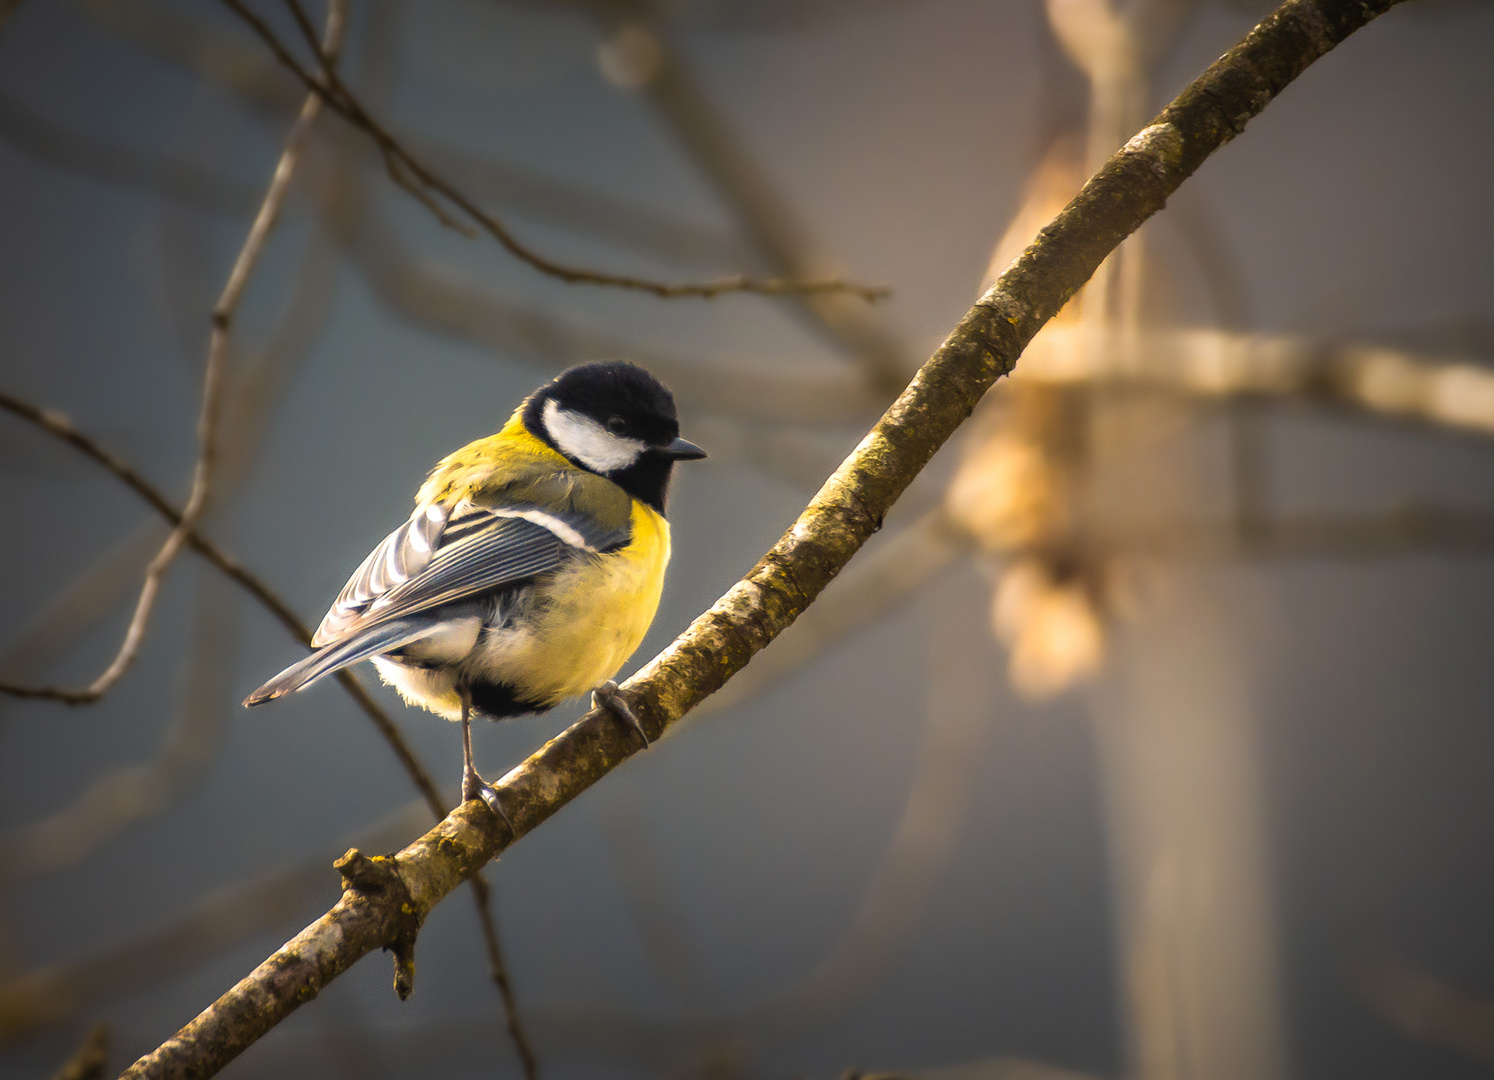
[608, 696]
[490, 796]
[473, 785]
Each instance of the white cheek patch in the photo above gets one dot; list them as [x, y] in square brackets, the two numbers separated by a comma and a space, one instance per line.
[589, 442]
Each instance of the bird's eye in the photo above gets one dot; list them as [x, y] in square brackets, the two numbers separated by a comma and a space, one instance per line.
[617, 425]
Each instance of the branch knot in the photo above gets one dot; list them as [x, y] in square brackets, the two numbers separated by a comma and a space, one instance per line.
[377, 880]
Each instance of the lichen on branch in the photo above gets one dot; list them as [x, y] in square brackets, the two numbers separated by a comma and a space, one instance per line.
[1134, 184]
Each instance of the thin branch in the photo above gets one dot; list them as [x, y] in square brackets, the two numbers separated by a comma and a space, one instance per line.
[1391, 383]
[51, 995]
[257, 78]
[1409, 530]
[88, 597]
[661, 73]
[263, 374]
[642, 875]
[59, 425]
[876, 583]
[1424, 1007]
[412, 174]
[438, 298]
[63, 428]
[126, 794]
[385, 900]
[498, 972]
[584, 210]
[56, 146]
[899, 889]
[207, 420]
[200, 46]
[89, 1060]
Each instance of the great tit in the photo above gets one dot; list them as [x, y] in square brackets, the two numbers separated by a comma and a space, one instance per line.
[531, 567]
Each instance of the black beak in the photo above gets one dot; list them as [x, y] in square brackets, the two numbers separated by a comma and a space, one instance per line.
[683, 450]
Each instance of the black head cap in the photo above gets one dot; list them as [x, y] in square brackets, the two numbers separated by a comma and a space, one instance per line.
[616, 419]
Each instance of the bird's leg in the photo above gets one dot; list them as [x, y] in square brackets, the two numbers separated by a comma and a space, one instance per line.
[473, 785]
[607, 696]
[471, 782]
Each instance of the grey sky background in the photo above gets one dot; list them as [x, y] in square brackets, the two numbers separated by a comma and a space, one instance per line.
[1356, 207]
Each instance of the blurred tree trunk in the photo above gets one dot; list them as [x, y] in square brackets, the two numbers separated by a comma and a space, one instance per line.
[1195, 935]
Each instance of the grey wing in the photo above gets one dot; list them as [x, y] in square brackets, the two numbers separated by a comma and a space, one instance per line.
[402, 554]
[473, 550]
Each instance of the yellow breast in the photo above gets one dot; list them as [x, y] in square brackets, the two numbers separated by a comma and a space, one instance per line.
[599, 611]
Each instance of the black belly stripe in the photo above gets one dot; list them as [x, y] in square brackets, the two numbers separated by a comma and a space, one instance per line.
[499, 701]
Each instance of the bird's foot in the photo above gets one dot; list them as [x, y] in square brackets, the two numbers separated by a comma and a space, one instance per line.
[475, 787]
[608, 696]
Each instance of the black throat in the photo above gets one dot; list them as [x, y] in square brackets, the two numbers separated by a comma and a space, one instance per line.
[647, 479]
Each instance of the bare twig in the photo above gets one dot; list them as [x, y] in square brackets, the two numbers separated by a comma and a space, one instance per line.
[642, 877]
[1456, 395]
[59, 425]
[63, 428]
[249, 73]
[768, 221]
[498, 972]
[65, 149]
[51, 995]
[263, 375]
[1409, 530]
[89, 1060]
[196, 44]
[207, 421]
[125, 795]
[582, 210]
[385, 900]
[436, 297]
[88, 598]
[412, 174]
[877, 583]
[1425, 1007]
[898, 891]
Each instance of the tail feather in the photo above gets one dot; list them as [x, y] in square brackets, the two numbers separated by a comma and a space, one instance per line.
[330, 658]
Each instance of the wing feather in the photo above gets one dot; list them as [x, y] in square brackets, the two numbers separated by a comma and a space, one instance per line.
[441, 556]
[399, 557]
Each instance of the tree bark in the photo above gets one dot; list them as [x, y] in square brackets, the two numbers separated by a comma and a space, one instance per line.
[386, 898]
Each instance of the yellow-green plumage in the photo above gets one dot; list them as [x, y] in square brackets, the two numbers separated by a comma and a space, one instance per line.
[531, 567]
[598, 608]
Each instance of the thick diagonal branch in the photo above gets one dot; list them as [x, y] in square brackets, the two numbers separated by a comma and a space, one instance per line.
[1132, 186]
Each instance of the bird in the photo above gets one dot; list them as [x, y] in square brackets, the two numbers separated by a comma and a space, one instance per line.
[530, 569]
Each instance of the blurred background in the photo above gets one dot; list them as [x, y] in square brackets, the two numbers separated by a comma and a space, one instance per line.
[1150, 739]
